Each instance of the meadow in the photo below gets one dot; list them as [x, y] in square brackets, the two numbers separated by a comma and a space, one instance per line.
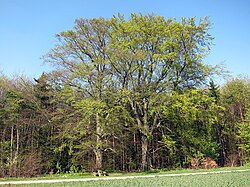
[233, 179]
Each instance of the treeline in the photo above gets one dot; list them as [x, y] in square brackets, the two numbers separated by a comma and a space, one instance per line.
[126, 95]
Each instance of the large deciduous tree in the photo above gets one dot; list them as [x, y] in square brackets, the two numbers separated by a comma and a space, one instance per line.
[139, 59]
[82, 55]
[151, 55]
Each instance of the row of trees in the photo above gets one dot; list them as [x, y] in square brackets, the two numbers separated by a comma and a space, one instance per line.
[126, 95]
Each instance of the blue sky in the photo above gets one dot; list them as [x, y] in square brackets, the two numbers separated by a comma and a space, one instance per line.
[28, 27]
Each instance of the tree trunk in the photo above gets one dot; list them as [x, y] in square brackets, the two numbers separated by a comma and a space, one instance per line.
[16, 154]
[145, 131]
[135, 153]
[144, 150]
[98, 151]
[98, 158]
[11, 143]
[11, 168]
[114, 154]
[2, 153]
[142, 122]
[17, 142]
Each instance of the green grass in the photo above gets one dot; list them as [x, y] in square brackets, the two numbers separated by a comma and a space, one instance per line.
[235, 179]
[88, 175]
[54, 176]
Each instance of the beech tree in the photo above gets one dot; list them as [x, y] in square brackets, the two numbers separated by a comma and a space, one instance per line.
[82, 55]
[139, 58]
[151, 55]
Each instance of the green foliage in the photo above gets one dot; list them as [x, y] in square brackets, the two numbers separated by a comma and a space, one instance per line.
[214, 91]
[244, 136]
[235, 99]
[193, 115]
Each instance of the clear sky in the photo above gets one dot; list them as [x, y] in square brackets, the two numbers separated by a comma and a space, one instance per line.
[28, 27]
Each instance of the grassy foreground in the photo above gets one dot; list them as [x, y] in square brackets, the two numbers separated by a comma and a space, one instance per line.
[119, 174]
[233, 179]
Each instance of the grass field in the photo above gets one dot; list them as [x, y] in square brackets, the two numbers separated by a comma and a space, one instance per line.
[233, 179]
[88, 175]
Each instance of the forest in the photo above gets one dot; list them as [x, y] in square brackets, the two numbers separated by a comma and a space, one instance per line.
[125, 95]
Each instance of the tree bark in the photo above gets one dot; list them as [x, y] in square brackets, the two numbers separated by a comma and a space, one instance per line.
[142, 122]
[17, 142]
[144, 150]
[98, 151]
[98, 157]
[145, 132]
[2, 152]
[16, 154]
[11, 143]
